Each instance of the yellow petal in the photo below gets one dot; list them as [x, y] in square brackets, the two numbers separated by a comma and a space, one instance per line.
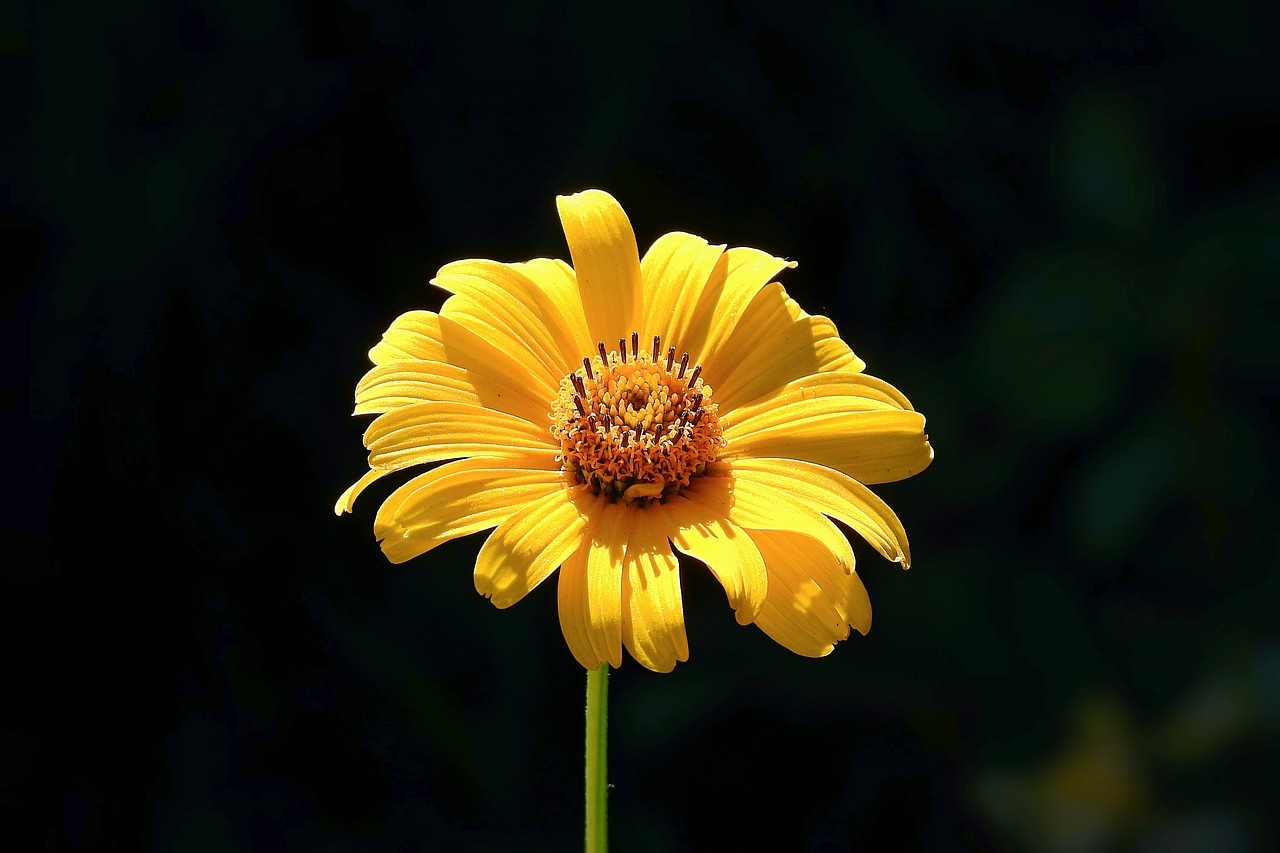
[532, 543]
[872, 447]
[348, 498]
[605, 260]
[860, 392]
[753, 505]
[557, 280]
[404, 383]
[590, 591]
[460, 498]
[573, 607]
[502, 305]
[730, 289]
[426, 336]
[435, 430]
[675, 272]
[652, 612]
[414, 335]
[723, 547]
[812, 601]
[774, 343]
[835, 494]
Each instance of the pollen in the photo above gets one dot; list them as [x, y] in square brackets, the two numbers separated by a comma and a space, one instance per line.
[636, 425]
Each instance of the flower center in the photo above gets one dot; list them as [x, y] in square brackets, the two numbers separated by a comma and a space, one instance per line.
[635, 427]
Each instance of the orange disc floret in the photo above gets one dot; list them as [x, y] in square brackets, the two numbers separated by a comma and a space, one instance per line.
[636, 426]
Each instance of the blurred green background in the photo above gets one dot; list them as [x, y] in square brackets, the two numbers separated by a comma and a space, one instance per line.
[1056, 229]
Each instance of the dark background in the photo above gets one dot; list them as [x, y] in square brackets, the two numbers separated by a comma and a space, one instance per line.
[1055, 229]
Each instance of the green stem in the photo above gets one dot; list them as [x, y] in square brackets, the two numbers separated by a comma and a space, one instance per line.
[597, 833]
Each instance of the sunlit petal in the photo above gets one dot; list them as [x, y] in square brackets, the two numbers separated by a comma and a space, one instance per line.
[774, 343]
[598, 415]
[812, 600]
[531, 544]
[723, 547]
[652, 609]
[590, 591]
[606, 260]
[459, 498]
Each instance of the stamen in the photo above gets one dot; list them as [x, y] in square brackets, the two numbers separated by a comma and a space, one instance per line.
[669, 416]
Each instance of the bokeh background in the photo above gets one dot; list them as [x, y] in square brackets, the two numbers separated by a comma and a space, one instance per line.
[1056, 229]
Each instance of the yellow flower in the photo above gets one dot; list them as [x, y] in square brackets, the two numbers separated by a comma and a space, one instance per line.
[577, 405]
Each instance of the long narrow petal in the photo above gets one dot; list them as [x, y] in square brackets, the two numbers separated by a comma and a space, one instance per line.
[812, 601]
[573, 607]
[675, 269]
[405, 383]
[723, 547]
[557, 280]
[732, 286]
[505, 307]
[348, 498]
[426, 336]
[860, 392]
[460, 498]
[753, 505]
[532, 543]
[774, 343]
[412, 335]
[606, 261]
[835, 494]
[590, 592]
[652, 610]
[432, 431]
[872, 447]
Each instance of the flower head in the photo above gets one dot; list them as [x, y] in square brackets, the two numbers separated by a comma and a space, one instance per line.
[600, 413]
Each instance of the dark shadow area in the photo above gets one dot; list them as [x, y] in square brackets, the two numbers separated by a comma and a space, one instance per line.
[1053, 229]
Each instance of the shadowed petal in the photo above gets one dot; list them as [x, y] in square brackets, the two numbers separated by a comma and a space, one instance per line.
[753, 505]
[532, 544]
[426, 336]
[812, 600]
[723, 547]
[557, 280]
[590, 591]
[675, 272]
[460, 498]
[731, 288]
[505, 307]
[859, 393]
[404, 383]
[431, 431]
[652, 609]
[835, 494]
[774, 343]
